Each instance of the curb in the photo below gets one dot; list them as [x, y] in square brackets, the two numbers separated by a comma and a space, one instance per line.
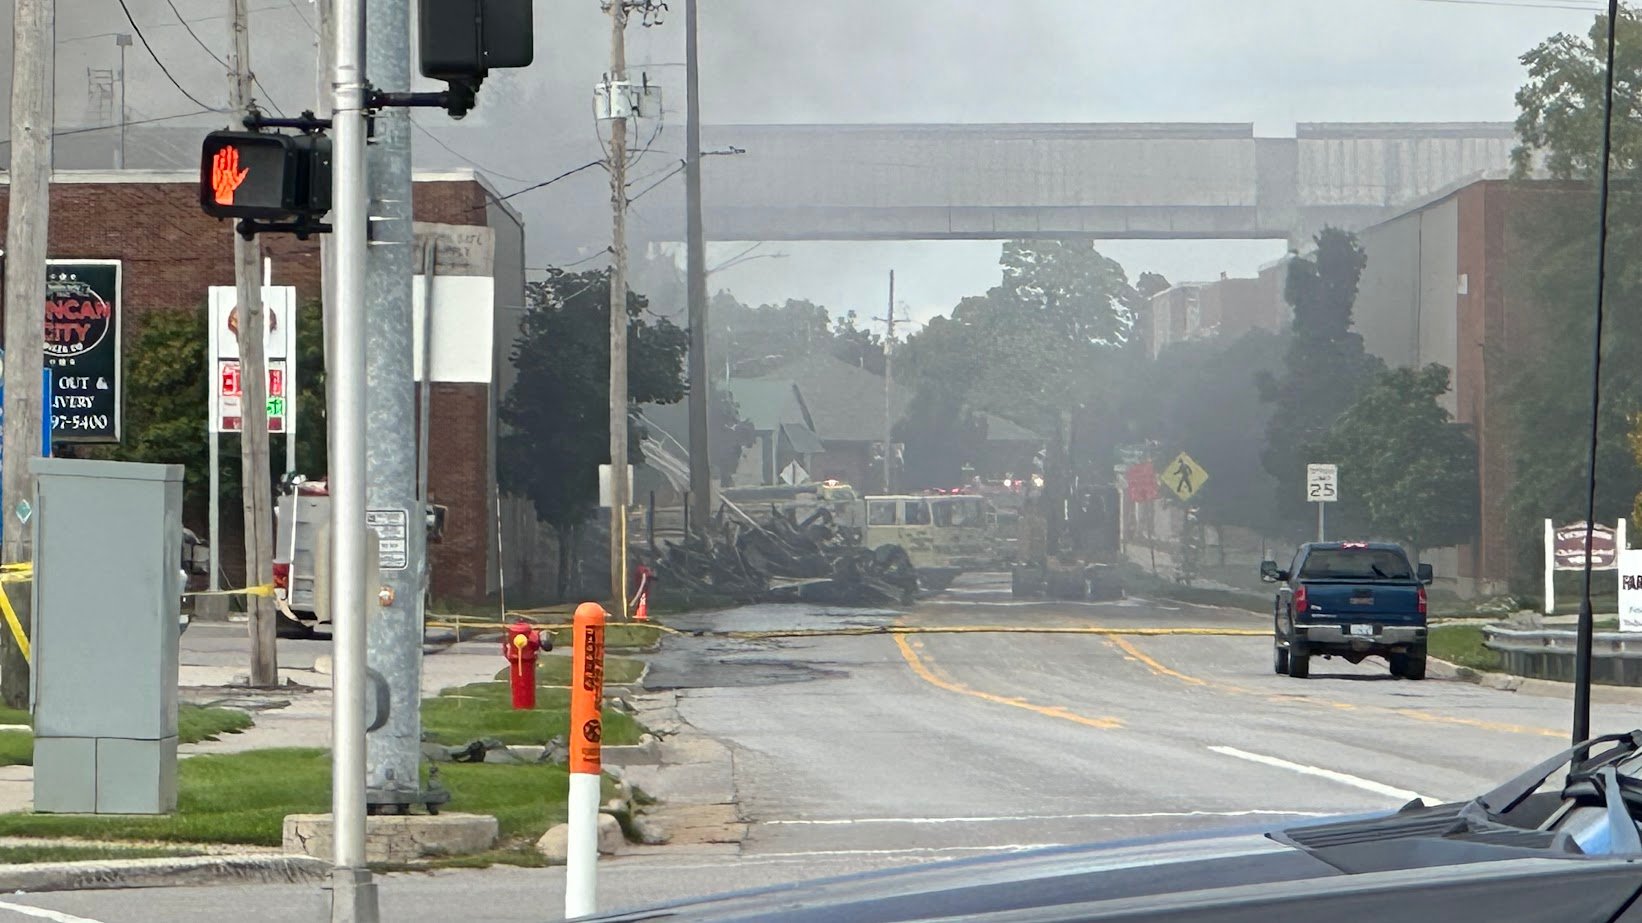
[162, 873]
[1510, 682]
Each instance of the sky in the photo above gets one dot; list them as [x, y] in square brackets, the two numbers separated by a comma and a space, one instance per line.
[1268, 62]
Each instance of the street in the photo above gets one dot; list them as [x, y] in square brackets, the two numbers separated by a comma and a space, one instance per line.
[863, 751]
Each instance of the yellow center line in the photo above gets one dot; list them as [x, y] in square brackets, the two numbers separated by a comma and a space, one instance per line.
[1151, 663]
[1049, 711]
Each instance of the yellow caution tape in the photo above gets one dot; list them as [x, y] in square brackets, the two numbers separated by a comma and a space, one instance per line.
[909, 630]
[266, 589]
[15, 625]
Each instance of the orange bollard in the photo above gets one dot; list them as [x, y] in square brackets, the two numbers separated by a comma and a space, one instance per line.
[586, 698]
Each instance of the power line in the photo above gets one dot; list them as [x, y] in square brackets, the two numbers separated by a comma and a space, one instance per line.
[161, 118]
[463, 157]
[549, 182]
[163, 69]
[1523, 4]
[670, 174]
[207, 49]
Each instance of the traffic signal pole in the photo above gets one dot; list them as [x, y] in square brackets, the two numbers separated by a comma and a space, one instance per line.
[353, 893]
[394, 632]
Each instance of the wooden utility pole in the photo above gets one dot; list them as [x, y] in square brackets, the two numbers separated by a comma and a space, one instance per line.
[255, 487]
[889, 382]
[701, 478]
[32, 92]
[618, 309]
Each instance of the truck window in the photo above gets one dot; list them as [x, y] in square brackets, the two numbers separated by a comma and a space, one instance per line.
[917, 513]
[1356, 564]
[881, 513]
[944, 514]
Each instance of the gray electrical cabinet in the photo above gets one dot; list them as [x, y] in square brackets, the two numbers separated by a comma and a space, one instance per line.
[103, 686]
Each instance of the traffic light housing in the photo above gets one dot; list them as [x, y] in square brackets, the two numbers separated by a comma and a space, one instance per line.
[265, 175]
[463, 40]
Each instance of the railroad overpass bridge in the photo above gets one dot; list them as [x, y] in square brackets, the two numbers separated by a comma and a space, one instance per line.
[1096, 181]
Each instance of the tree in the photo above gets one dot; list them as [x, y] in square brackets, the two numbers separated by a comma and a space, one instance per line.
[757, 341]
[166, 406]
[1324, 373]
[557, 411]
[1559, 120]
[1545, 386]
[1414, 468]
[1078, 295]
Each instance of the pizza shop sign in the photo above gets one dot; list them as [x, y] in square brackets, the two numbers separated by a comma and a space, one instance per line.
[82, 349]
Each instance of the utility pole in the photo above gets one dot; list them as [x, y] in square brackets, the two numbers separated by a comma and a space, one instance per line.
[889, 379]
[618, 307]
[701, 478]
[33, 59]
[256, 492]
[123, 41]
[353, 893]
[394, 631]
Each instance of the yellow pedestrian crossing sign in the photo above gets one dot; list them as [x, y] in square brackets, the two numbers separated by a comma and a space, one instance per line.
[1183, 477]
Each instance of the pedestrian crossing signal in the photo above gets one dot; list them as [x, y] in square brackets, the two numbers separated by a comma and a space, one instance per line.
[250, 174]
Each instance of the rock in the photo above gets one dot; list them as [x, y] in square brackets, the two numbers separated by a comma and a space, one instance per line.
[556, 751]
[649, 832]
[322, 664]
[555, 844]
[611, 837]
[436, 753]
[616, 806]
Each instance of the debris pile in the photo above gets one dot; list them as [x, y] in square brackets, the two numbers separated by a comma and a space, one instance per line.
[779, 557]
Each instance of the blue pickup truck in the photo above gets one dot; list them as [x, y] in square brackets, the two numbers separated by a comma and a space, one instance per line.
[1351, 600]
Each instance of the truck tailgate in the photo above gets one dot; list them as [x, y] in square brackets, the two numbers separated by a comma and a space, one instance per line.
[1347, 601]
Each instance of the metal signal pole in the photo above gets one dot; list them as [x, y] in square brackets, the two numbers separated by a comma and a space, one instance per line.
[353, 893]
[33, 60]
[256, 491]
[889, 419]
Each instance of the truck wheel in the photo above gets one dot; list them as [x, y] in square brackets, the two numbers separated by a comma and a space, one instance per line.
[1299, 660]
[1414, 664]
[1279, 659]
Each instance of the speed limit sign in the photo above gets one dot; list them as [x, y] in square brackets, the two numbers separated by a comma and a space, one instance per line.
[1322, 483]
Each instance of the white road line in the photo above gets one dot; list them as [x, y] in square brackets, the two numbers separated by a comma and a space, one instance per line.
[845, 821]
[1367, 785]
[56, 916]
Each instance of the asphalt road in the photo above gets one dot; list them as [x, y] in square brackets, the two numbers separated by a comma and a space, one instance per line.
[859, 752]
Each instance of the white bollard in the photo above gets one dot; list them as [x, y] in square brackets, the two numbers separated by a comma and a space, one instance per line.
[586, 696]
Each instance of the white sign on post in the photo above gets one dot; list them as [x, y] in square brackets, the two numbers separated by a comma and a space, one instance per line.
[279, 350]
[1630, 589]
[1322, 483]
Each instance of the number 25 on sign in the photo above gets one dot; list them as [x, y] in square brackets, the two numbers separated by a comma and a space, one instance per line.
[1322, 483]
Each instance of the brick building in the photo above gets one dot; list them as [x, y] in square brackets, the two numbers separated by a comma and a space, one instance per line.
[1440, 286]
[1227, 307]
[171, 253]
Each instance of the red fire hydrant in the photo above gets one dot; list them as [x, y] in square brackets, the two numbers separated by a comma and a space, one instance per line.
[519, 646]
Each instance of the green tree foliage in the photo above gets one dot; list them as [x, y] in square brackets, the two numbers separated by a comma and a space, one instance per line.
[1324, 373]
[1546, 367]
[558, 412]
[1414, 468]
[166, 406]
[757, 341]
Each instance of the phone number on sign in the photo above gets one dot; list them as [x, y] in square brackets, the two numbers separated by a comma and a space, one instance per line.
[93, 421]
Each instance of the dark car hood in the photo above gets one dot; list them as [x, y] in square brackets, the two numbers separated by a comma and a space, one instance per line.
[1031, 878]
[1459, 862]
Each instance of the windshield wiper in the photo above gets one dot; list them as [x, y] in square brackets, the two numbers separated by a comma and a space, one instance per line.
[1507, 796]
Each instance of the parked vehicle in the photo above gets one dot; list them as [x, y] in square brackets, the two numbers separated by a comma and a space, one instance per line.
[1351, 600]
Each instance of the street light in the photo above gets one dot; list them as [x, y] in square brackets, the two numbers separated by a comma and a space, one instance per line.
[122, 41]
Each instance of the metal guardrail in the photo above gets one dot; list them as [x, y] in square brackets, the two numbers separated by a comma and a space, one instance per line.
[1548, 653]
